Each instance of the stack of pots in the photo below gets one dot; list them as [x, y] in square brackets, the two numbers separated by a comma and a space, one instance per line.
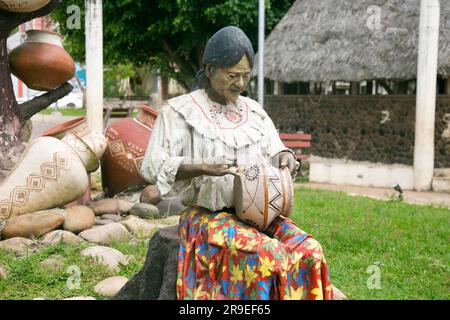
[127, 142]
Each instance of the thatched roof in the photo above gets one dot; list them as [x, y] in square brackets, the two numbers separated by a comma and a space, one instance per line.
[331, 40]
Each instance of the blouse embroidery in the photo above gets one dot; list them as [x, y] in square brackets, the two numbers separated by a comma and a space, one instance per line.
[230, 116]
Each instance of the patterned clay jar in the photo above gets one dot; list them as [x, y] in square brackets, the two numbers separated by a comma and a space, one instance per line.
[262, 193]
[127, 142]
[22, 5]
[41, 61]
[50, 174]
[79, 127]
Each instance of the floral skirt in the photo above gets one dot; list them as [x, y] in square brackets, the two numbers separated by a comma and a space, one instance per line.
[220, 257]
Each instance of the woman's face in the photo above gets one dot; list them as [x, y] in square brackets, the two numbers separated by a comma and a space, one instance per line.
[229, 82]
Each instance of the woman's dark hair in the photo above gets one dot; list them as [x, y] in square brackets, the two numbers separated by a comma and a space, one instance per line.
[224, 49]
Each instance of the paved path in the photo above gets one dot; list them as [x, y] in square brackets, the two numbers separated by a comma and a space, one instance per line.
[414, 197]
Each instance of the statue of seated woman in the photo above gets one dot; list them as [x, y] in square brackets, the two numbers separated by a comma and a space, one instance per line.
[197, 143]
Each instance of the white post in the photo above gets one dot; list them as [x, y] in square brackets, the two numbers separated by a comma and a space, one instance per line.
[261, 23]
[426, 94]
[94, 64]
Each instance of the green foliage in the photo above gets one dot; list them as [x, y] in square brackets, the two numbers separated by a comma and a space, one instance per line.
[167, 34]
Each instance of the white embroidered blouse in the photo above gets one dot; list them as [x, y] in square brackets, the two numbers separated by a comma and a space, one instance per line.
[193, 129]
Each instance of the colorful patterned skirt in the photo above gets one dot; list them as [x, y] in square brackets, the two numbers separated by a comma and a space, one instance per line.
[220, 257]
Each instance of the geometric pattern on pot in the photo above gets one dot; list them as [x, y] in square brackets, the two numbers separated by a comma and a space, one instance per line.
[49, 171]
[129, 156]
[273, 191]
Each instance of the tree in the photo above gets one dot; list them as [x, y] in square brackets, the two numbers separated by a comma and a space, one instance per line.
[14, 116]
[168, 34]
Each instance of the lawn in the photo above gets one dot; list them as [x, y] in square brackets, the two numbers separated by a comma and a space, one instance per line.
[407, 244]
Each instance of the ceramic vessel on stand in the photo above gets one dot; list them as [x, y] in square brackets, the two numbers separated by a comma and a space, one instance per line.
[41, 61]
[262, 193]
[127, 142]
[22, 5]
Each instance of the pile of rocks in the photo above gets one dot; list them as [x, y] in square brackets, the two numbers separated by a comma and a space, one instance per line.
[99, 225]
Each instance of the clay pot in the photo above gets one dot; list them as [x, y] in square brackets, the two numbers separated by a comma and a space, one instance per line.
[49, 174]
[90, 148]
[22, 6]
[262, 193]
[78, 126]
[41, 61]
[127, 142]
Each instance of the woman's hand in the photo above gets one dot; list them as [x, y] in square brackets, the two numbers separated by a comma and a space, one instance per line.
[287, 160]
[187, 171]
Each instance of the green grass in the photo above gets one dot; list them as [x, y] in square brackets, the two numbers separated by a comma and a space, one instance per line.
[410, 243]
[66, 112]
[76, 112]
[28, 280]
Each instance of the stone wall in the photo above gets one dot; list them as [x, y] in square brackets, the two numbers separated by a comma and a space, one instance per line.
[360, 128]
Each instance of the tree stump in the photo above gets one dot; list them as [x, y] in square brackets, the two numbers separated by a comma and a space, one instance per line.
[157, 279]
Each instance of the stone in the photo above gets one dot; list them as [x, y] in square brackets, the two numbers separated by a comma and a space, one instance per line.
[157, 278]
[78, 218]
[105, 206]
[124, 205]
[19, 246]
[103, 222]
[113, 217]
[3, 273]
[54, 263]
[338, 294]
[131, 194]
[61, 237]
[32, 224]
[139, 227]
[145, 210]
[81, 298]
[109, 257]
[106, 235]
[170, 221]
[170, 207]
[150, 195]
[110, 286]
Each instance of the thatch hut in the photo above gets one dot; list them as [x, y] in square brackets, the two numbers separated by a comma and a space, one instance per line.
[365, 135]
[342, 40]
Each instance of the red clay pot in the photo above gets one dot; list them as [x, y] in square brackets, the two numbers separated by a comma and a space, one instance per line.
[41, 61]
[127, 142]
[78, 126]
